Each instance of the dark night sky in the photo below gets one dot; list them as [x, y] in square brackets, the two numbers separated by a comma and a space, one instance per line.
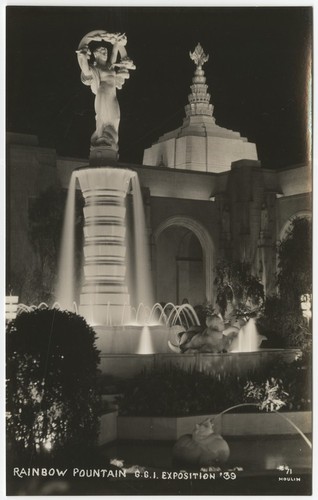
[256, 75]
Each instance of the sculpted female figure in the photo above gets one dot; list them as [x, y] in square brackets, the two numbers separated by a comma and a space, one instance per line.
[104, 75]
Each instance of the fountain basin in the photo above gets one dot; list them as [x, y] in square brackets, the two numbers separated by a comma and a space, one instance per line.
[134, 340]
[129, 365]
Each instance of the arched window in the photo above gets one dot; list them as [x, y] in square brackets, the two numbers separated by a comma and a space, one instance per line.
[206, 243]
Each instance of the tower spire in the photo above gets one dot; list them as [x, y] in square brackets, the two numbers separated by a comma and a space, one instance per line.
[199, 144]
[199, 99]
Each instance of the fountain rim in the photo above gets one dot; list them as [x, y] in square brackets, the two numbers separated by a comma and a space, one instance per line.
[204, 354]
[115, 166]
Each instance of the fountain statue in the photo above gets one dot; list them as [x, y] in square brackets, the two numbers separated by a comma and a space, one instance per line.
[105, 298]
[104, 74]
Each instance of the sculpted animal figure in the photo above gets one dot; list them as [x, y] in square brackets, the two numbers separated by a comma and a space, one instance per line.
[215, 338]
[202, 448]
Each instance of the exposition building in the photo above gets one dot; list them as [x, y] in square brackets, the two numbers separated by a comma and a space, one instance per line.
[206, 197]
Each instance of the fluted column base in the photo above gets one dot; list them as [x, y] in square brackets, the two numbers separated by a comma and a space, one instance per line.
[104, 298]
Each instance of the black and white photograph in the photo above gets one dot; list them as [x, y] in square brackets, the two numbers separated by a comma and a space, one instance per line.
[158, 250]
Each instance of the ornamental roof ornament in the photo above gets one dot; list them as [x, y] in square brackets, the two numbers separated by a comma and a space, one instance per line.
[199, 99]
[198, 56]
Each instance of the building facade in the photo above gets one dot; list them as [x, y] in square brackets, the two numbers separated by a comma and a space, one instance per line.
[206, 198]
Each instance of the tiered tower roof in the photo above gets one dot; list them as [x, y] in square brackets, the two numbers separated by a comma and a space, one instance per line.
[199, 144]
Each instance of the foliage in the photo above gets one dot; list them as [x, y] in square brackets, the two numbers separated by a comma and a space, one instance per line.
[236, 278]
[46, 215]
[270, 394]
[171, 391]
[282, 321]
[284, 326]
[201, 311]
[295, 263]
[52, 396]
[298, 381]
[46, 219]
[294, 379]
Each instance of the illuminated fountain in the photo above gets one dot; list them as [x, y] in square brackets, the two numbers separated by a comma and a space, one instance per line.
[109, 301]
[117, 303]
[116, 293]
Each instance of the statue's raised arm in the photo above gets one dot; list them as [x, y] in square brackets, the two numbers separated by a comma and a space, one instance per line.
[104, 73]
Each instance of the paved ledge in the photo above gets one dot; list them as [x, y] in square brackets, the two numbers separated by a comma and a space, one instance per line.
[234, 424]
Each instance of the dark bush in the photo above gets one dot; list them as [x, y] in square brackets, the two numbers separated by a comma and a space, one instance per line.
[294, 276]
[52, 396]
[236, 279]
[171, 391]
[283, 325]
[282, 321]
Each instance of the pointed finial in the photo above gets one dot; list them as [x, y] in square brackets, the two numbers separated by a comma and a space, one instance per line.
[198, 56]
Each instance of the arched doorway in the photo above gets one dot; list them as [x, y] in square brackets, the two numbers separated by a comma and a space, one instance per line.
[184, 261]
[307, 214]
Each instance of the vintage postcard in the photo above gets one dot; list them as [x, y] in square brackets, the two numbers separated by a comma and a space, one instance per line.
[158, 250]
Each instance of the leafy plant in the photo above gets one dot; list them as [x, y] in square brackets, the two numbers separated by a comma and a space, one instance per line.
[283, 325]
[51, 386]
[236, 279]
[294, 276]
[282, 320]
[270, 395]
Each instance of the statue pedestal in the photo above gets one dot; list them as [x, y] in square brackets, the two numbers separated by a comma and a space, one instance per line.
[102, 155]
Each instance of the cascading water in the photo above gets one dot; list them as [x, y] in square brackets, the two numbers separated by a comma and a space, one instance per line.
[65, 290]
[145, 343]
[248, 339]
[143, 272]
[105, 297]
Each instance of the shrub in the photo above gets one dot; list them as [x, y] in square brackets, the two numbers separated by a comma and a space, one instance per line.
[52, 396]
[236, 277]
[46, 215]
[283, 325]
[171, 391]
[297, 377]
[295, 263]
[269, 395]
[282, 321]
